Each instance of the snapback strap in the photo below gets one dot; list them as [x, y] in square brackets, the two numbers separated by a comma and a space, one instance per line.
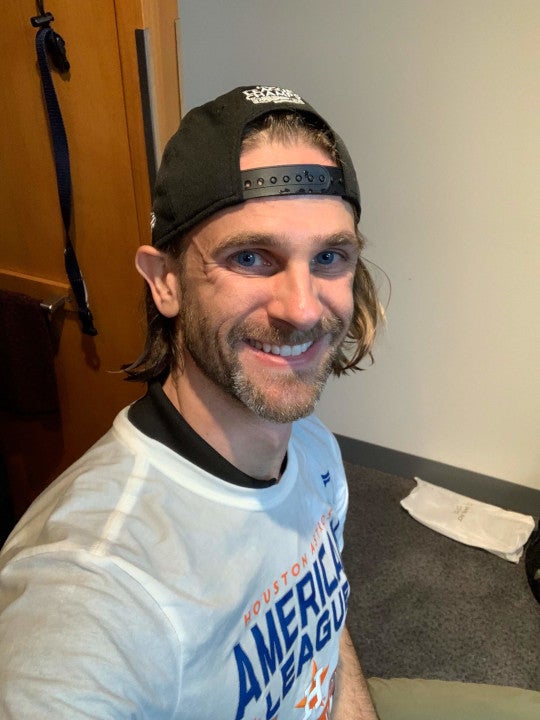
[292, 180]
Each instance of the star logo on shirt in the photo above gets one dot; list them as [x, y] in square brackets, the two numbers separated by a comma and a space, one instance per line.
[313, 698]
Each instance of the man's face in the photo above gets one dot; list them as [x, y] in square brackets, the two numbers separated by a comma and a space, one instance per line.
[266, 294]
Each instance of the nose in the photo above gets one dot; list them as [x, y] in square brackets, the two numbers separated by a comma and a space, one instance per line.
[296, 298]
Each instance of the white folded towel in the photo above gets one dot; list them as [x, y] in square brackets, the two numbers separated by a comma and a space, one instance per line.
[501, 532]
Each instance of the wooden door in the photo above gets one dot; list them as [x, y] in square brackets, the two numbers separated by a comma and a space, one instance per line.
[101, 107]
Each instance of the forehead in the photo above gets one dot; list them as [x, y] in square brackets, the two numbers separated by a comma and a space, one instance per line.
[293, 220]
[272, 153]
[295, 225]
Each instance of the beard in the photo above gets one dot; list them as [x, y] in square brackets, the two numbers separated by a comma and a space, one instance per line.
[277, 396]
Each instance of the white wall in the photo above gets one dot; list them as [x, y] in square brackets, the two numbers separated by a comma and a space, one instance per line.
[438, 101]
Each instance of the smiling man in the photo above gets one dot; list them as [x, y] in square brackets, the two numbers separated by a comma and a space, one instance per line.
[188, 566]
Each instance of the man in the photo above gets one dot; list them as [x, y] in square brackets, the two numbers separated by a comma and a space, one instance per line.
[188, 566]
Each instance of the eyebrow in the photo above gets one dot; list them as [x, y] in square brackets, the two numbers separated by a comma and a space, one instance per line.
[262, 240]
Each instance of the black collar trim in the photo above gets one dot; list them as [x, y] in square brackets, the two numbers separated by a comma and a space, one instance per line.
[155, 416]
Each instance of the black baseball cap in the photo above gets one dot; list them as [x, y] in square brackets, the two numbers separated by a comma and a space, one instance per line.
[200, 169]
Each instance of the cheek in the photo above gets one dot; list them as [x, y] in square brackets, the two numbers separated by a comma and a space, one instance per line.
[224, 306]
[235, 298]
[338, 297]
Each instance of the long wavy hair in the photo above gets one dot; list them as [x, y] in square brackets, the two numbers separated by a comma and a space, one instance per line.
[163, 351]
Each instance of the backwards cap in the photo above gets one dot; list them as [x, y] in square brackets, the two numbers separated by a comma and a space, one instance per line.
[200, 170]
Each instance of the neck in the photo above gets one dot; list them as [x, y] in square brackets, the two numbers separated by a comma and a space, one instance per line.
[255, 446]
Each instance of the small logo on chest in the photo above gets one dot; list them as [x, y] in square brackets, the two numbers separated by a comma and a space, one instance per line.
[326, 478]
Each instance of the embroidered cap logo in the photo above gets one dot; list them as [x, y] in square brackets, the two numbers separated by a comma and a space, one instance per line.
[262, 94]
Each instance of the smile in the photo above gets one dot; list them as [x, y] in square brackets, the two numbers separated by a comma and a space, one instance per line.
[282, 350]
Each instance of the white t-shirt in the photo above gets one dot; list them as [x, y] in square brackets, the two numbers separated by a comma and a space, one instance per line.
[140, 586]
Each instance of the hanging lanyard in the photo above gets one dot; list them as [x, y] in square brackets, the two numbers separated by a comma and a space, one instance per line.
[49, 45]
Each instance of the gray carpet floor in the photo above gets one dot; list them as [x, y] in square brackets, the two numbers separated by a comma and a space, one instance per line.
[423, 605]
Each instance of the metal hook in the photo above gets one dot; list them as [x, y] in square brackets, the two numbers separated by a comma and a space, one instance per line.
[51, 305]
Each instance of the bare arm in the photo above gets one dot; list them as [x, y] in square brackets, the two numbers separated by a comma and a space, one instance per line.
[352, 699]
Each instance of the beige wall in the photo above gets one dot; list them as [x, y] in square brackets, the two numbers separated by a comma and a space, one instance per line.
[438, 101]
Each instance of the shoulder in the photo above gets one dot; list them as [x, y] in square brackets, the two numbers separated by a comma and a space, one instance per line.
[316, 446]
[79, 507]
[312, 431]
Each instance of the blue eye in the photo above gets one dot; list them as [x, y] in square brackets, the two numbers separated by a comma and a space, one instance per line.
[326, 257]
[250, 262]
[246, 258]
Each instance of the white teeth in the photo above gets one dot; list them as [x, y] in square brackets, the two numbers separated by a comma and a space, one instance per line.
[283, 350]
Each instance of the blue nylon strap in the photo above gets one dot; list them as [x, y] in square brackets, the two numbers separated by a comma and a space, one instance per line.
[63, 179]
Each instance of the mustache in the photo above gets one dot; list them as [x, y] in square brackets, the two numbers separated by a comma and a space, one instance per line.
[281, 336]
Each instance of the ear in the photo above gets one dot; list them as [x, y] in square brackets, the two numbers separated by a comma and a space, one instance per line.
[155, 267]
